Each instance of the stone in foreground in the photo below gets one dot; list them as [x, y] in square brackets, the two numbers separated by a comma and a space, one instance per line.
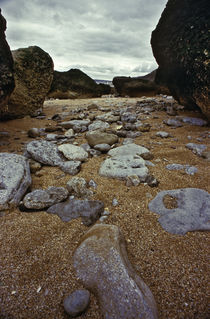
[98, 137]
[102, 264]
[89, 210]
[15, 178]
[73, 152]
[77, 302]
[44, 198]
[192, 211]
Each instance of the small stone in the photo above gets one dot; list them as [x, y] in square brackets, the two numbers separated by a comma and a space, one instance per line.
[102, 147]
[34, 132]
[77, 302]
[69, 133]
[34, 166]
[196, 148]
[152, 181]
[115, 202]
[70, 167]
[162, 134]
[79, 186]
[73, 152]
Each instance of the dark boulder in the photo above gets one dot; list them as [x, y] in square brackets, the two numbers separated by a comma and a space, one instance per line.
[7, 83]
[33, 69]
[138, 86]
[181, 47]
[75, 84]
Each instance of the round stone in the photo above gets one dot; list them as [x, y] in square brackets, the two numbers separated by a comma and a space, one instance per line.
[77, 302]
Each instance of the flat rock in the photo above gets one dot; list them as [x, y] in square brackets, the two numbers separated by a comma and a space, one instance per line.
[44, 152]
[129, 149]
[70, 167]
[15, 178]
[98, 125]
[197, 149]
[78, 185]
[98, 137]
[102, 264]
[162, 134]
[72, 123]
[173, 122]
[89, 210]
[44, 198]
[194, 121]
[108, 117]
[190, 170]
[102, 147]
[73, 152]
[77, 302]
[191, 211]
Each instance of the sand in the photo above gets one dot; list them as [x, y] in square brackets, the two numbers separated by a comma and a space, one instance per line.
[37, 248]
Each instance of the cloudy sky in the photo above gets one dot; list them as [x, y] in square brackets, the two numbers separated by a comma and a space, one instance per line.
[103, 38]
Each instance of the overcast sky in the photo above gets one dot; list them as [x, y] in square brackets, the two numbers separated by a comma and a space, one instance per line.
[103, 38]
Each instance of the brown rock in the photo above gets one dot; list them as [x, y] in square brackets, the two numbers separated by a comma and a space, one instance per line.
[33, 77]
[7, 83]
[98, 137]
[181, 47]
[102, 264]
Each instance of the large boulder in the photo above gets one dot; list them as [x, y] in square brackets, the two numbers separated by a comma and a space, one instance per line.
[7, 83]
[181, 47]
[75, 84]
[102, 264]
[138, 86]
[33, 76]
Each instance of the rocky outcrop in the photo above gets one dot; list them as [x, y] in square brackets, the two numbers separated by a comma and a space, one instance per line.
[7, 83]
[33, 69]
[74, 84]
[138, 86]
[181, 47]
[102, 264]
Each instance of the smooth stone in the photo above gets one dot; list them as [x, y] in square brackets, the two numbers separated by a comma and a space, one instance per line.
[34, 166]
[102, 147]
[34, 132]
[194, 121]
[190, 170]
[70, 167]
[102, 265]
[173, 122]
[172, 167]
[44, 152]
[73, 152]
[51, 137]
[44, 198]
[129, 149]
[98, 125]
[162, 134]
[197, 149]
[192, 212]
[78, 185]
[92, 106]
[77, 302]
[15, 178]
[89, 210]
[124, 166]
[115, 202]
[72, 123]
[98, 137]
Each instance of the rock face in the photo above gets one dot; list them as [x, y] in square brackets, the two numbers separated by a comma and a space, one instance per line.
[75, 84]
[7, 83]
[33, 69]
[182, 210]
[15, 178]
[182, 50]
[102, 264]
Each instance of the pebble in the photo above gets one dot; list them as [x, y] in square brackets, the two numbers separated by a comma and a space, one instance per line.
[77, 302]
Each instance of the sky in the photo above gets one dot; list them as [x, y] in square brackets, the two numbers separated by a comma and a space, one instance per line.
[103, 38]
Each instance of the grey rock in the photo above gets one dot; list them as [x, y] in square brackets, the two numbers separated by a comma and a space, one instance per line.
[102, 147]
[194, 121]
[102, 264]
[70, 167]
[40, 198]
[79, 185]
[51, 137]
[89, 210]
[152, 181]
[162, 134]
[190, 170]
[34, 132]
[206, 155]
[94, 153]
[131, 134]
[192, 212]
[77, 302]
[72, 123]
[44, 152]
[128, 117]
[197, 149]
[173, 122]
[129, 149]
[92, 183]
[172, 167]
[98, 137]
[98, 125]
[15, 178]
[73, 152]
[108, 117]
[69, 133]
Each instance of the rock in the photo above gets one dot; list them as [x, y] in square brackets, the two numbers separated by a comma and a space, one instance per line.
[194, 121]
[98, 125]
[191, 210]
[206, 155]
[162, 134]
[143, 127]
[70, 167]
[15, 178]
[73, 152]
[33, 70]
[44, 198]
[34, 166]
[7, 83]
[179, 46]
[75, 123]
[121, 167]
[75, 84]
[152, 181]
[89, 210]
[108, 117]
[77, 302]
[78, 185]
[173, 122]
[190, 170]
[128, 117]
[129, 149]
[44, 152]
[34, 132]
[132, 180]
[98, 137]
[102, 265]
[92, 106]
[102, 147]
[69, 133]
[197, 149]
[92, 183]
[172, 167]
